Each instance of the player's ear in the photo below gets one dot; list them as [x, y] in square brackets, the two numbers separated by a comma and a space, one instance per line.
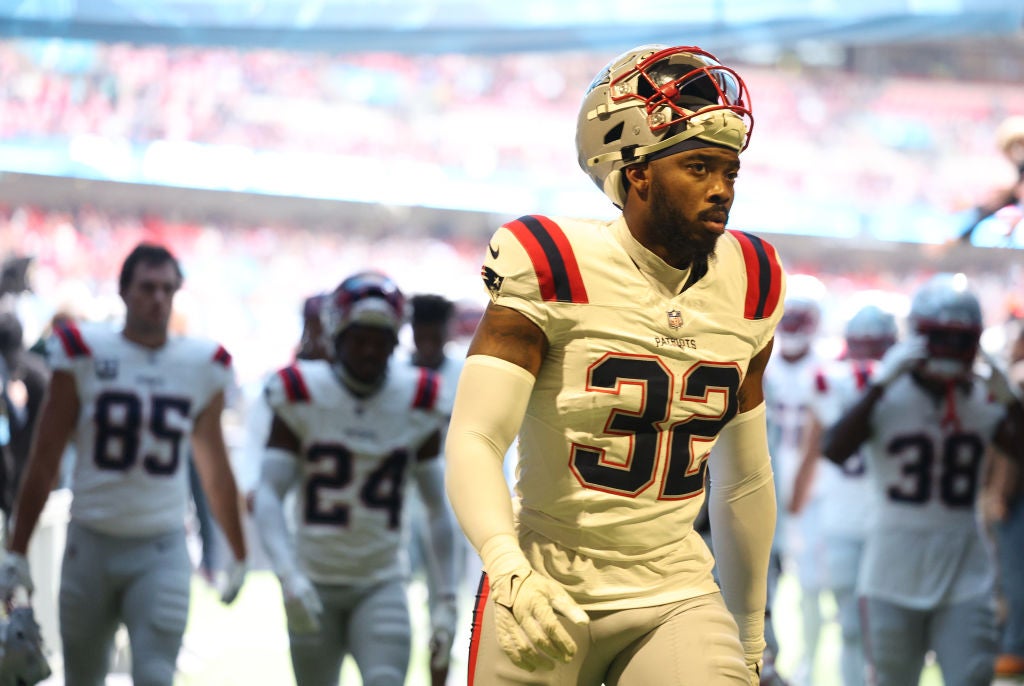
[637, 177]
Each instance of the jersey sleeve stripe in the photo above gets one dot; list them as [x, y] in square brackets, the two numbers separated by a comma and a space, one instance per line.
[554, 263]
[764, 276]
[294, 385]
[426, 390]
[863, 375]
[222, 356]
[72, 341]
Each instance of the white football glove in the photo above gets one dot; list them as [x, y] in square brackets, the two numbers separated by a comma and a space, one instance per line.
[998, 382]
[14, 574]
[442, 632]
[301, 604]
[899, 359]
[230, 580]
[525, 603]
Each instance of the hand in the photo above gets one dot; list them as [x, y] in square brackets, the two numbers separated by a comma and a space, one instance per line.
[898, 359]
[755, 673]
[230, 581]
[442, 632]
[530, 633]
[998, 382]
[14, 573]
[301, 604]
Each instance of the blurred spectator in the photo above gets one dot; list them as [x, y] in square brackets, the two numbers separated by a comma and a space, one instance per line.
[1003, 202]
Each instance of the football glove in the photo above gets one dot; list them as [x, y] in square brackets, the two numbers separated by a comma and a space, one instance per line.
[899, 359]
[301, 604]
[525, 607]
[998, 382]
[231, 580]
[14, 574]
[442, 632]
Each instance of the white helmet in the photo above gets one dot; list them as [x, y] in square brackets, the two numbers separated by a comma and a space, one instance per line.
[946, 313]
[870, 332]
[22, 656]
[654, 98]
[368, 298]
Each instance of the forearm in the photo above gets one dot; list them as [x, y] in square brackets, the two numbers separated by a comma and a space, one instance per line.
[268, 515]
[226, 508]
[844, 438]
[36, 484]
[480, 433]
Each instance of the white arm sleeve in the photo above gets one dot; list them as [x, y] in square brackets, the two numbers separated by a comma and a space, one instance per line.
[742, 509]
[280, 470]
[490, 404]
[441, 551]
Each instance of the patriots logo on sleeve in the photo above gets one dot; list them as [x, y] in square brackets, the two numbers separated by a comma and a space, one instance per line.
[492, 280]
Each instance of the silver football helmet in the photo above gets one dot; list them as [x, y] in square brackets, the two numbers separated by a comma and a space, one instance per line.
[369, 298]
[23, 662]
[870, 332]
[653, 98]
[946, 313]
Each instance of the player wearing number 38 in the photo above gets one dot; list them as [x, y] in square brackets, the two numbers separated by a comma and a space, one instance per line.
[132, 400]
[622, 353]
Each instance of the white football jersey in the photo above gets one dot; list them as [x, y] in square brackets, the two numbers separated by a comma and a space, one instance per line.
[356, 456]
[637, 382]
[133, 433]
[925, 458]
[846, 493]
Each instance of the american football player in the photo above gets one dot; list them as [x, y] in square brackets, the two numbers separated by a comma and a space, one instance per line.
[621, 353]
[924, 424]
[129, 399]
[347, 435]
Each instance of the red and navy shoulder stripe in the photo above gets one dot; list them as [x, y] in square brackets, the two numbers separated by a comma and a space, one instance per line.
[71, 340]
[554, 262]
[426, 390]
[294, 385]
[764, 276]
[222, 356]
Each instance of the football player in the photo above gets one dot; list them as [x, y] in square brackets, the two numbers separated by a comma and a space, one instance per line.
[845, 493]
[348, 435]
[130, 400]
[925, 422]
[621, 352]
[789, 390]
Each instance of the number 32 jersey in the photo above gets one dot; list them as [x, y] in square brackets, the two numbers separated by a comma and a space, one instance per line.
[637, 382]
[133, 433]
[357, 456]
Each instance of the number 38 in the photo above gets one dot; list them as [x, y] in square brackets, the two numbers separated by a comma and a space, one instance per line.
[633, 473]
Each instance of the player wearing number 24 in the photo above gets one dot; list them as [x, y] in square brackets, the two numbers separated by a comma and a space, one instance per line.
[622, 353]
[130, 400]
[925, 423]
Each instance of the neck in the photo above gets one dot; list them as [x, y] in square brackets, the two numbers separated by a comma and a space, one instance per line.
[146, 339]
[358, 388]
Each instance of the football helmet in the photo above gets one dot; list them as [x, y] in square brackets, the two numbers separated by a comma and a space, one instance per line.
[653, 98]
[368, 298]
[23, 661]
[948, 315]
[869, 333]
[801, 315]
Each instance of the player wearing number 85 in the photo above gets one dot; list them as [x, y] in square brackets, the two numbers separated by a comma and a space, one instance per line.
[130, 400]
[925, 423]
[622, 353]
[348, 435]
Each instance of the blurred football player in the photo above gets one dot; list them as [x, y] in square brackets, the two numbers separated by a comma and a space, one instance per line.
[621, 352]
[130, 400]
[348, 435]
[789, 393]
[846, 495]
[925, 422]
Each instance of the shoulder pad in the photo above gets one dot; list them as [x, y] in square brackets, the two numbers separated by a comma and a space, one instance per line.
[554, 263]
[764, 275]
[293, 384]
[71, 340]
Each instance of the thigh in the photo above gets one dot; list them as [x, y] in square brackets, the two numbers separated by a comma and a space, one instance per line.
[692, 643]
[380, 635]
[155, 605]
[895, 642]
[964, 639]
[88, 609]
[317, 657]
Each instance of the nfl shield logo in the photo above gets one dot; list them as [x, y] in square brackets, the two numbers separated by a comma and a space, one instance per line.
[675, 319]
[106, 368]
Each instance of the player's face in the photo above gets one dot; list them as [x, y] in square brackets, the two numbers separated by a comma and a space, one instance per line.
[691, 195]
[149, 297]
[429, 340]
[364, 350]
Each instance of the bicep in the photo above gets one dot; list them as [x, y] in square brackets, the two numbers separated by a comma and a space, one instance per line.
[60, 406]
[509, 335]
[751, 393]
[281, 436]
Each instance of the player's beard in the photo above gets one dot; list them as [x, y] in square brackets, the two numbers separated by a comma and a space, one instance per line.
[682, 237]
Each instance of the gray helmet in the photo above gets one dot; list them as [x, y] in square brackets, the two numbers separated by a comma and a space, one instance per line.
[653, 98]
[949, 315]
[870, 332]
[23, 659]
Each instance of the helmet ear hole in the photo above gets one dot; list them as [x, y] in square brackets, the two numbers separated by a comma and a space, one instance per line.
[614, 133]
